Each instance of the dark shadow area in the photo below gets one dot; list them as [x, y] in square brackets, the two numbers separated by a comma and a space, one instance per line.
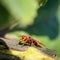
[4, 20]
[2, 32]
[46, 28]
[3, 44]
[8, 57]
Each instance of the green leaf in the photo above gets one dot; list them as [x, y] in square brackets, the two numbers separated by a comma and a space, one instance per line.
[5, 18]
[23, 10]
[58, 13]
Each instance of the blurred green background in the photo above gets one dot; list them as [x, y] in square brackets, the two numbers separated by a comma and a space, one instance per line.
[37, 18]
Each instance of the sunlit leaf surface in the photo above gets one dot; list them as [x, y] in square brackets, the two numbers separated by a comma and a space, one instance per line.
[23, 10]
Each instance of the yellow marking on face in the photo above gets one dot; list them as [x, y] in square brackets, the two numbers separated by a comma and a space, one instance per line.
[22, 40]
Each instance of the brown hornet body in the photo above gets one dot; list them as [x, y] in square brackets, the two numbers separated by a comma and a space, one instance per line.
[27, 40]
